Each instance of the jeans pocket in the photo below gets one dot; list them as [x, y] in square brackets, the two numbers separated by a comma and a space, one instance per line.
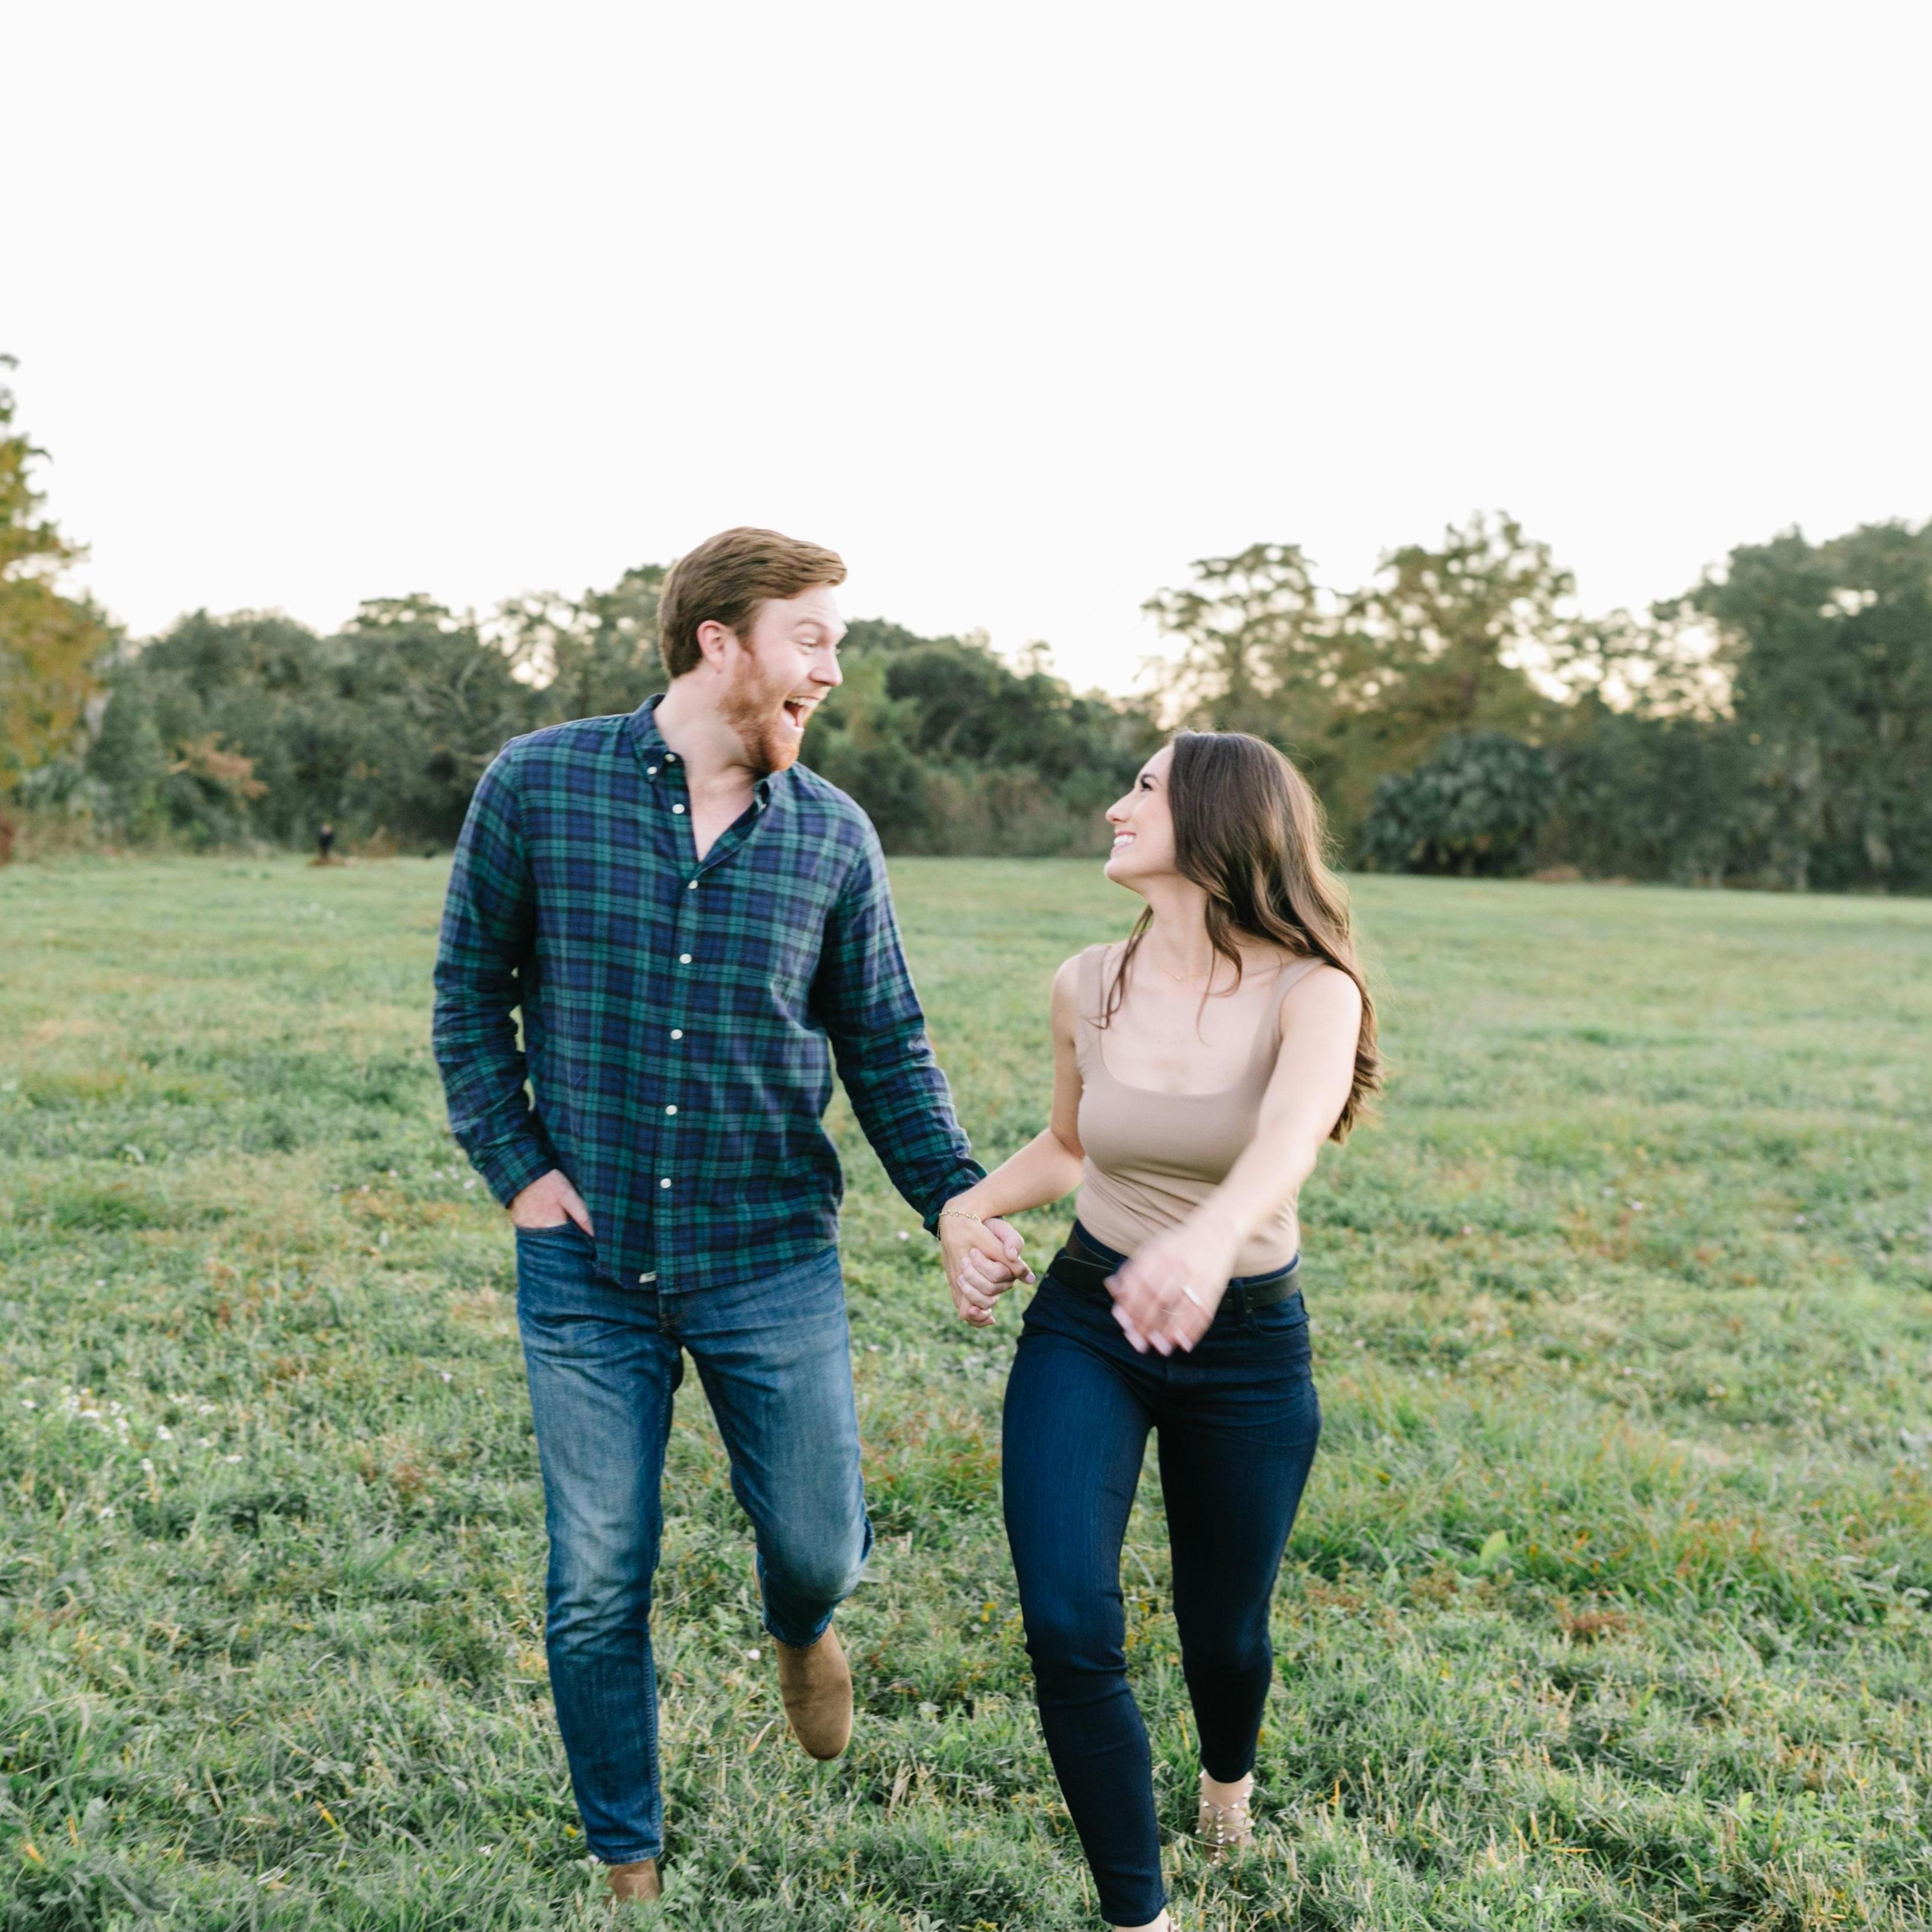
[1281, 1330]
[555, 1267]
[1279, 1318]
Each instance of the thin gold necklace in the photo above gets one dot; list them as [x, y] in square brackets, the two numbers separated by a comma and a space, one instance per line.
[1185, 978]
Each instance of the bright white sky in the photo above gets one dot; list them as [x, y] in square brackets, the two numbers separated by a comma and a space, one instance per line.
[1019, 307]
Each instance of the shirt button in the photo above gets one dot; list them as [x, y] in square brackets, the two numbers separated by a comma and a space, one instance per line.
[684, 959]
[677, 1032]
[650, 771]
[692, 887]
[670, 1110]
[665, 1182]
[679, 809]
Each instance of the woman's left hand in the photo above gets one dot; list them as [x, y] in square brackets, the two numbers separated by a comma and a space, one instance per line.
[1165, 1296]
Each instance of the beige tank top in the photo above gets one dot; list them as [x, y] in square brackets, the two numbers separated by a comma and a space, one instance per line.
[1152, 1158]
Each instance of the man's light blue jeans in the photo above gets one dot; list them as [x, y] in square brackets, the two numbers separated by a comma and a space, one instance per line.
[605, 1362]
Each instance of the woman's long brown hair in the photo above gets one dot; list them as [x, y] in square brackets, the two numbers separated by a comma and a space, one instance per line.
[1248, 830]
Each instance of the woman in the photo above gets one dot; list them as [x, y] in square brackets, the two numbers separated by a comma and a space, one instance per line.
[1198, 1068]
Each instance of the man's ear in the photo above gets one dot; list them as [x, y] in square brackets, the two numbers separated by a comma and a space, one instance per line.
[715, 641]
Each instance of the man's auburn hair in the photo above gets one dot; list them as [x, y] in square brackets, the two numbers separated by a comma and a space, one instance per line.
[726, 579]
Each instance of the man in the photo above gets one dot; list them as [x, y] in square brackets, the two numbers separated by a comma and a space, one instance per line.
[693, 924]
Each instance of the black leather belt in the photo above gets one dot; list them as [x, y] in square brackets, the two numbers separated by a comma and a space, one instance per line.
[1083, 1265]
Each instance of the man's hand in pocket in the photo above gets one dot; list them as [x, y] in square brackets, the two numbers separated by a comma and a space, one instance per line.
[548, 1202]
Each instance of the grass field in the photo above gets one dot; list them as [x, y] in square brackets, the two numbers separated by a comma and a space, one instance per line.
[1608, 1604]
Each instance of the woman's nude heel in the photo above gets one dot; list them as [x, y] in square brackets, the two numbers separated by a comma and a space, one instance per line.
[1223, 1828]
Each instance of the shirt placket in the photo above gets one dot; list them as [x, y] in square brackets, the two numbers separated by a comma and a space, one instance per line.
[671, 1179]
[671, 797]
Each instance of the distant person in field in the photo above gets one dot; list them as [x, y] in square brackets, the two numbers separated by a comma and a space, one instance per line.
[694, 927]
[325, 844]
[1199, 1067]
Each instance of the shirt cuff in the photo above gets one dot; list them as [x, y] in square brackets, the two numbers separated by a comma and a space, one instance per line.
[956, 1183]
[508, 1167]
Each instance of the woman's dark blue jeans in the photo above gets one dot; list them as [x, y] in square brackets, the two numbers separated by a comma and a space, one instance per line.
[1238, 1420]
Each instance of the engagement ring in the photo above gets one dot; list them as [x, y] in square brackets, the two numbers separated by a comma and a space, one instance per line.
[1192, 1296]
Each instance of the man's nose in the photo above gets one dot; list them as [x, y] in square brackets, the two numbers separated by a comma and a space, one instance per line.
[826, 671]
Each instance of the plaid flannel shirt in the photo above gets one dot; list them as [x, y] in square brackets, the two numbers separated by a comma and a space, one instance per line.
[680, 1015]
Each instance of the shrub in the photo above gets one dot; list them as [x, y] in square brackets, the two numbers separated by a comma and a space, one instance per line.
[1474, 806]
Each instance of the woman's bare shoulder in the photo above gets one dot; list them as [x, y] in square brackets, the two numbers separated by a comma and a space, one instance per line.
[1070, 968]
[1322, 994]
[1069, 980]
[1066, 1004]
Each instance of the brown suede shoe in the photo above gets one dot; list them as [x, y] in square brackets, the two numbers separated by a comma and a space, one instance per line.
[816, 1687]
[638, 1879]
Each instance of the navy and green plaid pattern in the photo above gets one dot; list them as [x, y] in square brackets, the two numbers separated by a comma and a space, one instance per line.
[680, 1016]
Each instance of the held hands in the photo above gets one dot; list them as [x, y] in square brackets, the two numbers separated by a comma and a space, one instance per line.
[982, 1261]
[548, 1202]
[1165, 1297]
[982, 1258]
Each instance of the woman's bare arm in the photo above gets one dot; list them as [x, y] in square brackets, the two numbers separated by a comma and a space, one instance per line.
[1049, 1165]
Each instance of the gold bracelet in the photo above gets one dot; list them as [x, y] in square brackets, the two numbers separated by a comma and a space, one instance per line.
[961, 1214]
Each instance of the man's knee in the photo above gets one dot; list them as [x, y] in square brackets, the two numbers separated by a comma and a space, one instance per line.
[600, 1582]
[820, 1574]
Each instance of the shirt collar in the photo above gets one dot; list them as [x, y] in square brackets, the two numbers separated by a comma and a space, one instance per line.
[653, 753]
[644, 733]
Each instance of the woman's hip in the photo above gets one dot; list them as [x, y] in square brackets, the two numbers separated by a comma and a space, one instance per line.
[1260, 1315]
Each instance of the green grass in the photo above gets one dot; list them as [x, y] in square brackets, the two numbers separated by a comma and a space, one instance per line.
[1608, 1604]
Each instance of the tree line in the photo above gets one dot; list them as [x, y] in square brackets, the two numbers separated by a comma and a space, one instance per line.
[1771, 726]
[1457, 713]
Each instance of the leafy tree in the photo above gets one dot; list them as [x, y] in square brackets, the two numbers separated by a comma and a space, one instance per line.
[862, 739]
[50, 645]
[434, 703]
[129, 762]
[1474, 807]
[951, 749]
[257, 686]
[1258, 650]
[1353, 686]
[593, 657]
[1653, 796]
[383, 727]
[1444, 641]
[1829, 649]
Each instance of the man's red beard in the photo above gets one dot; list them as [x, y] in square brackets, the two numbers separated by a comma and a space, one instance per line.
[754, 709]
